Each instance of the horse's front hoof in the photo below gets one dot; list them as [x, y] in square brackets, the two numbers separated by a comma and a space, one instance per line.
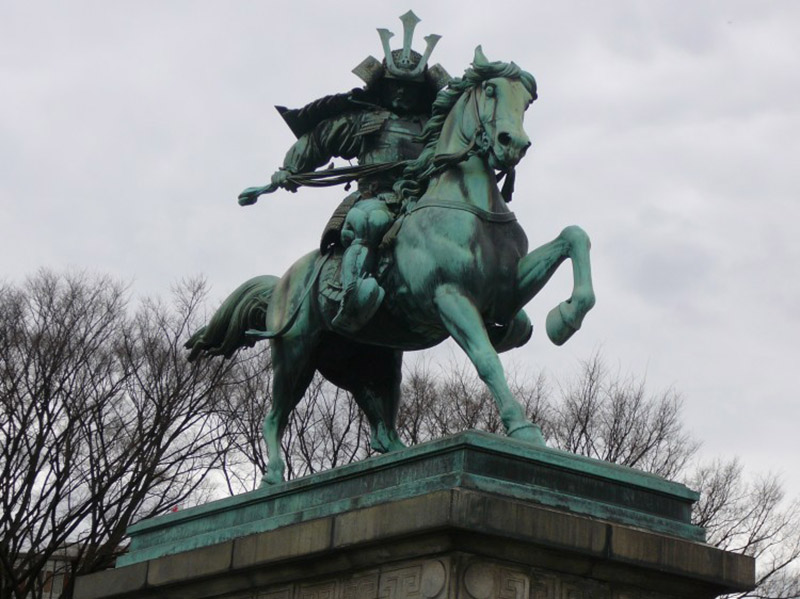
[529, 433]
[562, 323]
[274, 474]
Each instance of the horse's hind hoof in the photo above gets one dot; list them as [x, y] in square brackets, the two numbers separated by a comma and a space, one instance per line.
[270, 479]
[384, 441]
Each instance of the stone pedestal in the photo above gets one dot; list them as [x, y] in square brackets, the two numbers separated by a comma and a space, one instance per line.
[473, 516]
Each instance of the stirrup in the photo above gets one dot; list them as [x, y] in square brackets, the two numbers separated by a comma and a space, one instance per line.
[359, 304]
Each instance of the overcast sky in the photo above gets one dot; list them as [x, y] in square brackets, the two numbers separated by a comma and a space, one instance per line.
[669, 131]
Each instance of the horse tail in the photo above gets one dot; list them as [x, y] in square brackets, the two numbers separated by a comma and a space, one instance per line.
[244, 309]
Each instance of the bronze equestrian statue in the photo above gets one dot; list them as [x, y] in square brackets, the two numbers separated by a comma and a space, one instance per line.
[433, 235]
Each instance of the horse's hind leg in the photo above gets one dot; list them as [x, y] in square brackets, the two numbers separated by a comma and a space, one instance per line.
[463, 321]
[376, 389]
[373, 375]
[292, 372]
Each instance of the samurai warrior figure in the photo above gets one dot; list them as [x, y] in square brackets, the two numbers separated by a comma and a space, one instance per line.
[378, 125]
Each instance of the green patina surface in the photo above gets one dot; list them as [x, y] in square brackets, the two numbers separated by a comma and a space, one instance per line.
[426, 248]
[470, 460]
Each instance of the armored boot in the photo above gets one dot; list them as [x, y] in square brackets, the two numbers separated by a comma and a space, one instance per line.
[362, 294]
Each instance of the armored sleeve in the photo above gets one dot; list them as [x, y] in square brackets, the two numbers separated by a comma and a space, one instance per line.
[334, 137]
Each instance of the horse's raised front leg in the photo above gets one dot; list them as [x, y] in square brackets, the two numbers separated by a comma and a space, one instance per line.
[538, 266]
[463, 321]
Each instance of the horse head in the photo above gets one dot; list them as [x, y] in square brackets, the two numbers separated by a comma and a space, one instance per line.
[499, 104]
[491, 110]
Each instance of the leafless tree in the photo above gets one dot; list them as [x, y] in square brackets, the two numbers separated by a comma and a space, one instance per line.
[599, 415]
[153, 447]
[420, 392]
[57, 366]
[615, 418]
[753, 518]
[102, 421]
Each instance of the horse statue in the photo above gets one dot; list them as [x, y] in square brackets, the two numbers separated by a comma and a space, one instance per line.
[458, 266]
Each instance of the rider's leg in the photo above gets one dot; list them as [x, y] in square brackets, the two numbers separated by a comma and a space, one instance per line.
[358, 259]
[363, 230]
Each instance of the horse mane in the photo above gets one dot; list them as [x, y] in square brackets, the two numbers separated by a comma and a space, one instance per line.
[416, 175]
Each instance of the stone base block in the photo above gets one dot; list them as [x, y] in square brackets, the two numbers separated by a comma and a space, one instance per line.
[474, 517]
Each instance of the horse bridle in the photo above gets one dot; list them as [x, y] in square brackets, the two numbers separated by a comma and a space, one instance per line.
[482, 139]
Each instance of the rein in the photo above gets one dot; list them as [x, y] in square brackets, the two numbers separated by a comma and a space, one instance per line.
[484, 215]
[324, 178]
[346, 174]
[442, 162]
[337, 176]
[482, 140]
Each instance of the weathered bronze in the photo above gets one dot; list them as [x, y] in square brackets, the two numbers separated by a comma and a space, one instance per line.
[380, 126]
[453, 260]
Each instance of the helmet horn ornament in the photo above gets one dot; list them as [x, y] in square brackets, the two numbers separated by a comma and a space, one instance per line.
[404, 64]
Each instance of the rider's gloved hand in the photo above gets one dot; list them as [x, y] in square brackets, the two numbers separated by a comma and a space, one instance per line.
[281, 179]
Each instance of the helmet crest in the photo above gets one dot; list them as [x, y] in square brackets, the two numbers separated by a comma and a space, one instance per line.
[404, 64]
[410, 64]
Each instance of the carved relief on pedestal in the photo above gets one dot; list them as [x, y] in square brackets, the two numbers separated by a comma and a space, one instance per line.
[572, 591]
[630, 593]
[362, 586]
[576, 588]
[322, 590]
[543, 586]
[430, 579]
[424, 580]
[412, 580]
[485, 580]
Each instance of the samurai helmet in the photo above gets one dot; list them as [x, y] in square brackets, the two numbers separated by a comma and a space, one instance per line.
[404, 64]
